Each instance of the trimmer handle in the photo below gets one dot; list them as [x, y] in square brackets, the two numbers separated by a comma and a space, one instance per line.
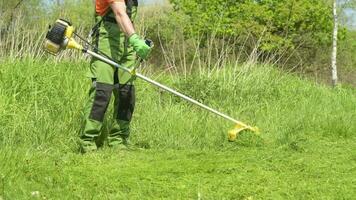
[140, 60]
[149, 43]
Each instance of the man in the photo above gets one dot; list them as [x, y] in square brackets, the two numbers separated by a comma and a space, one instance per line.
[116, 37]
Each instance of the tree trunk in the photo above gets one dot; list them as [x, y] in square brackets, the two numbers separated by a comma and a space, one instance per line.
[334, 50]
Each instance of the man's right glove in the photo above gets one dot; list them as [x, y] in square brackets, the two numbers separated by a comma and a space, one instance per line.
[140, 46]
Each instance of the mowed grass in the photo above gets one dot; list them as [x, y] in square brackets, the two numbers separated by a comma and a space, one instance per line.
[306, 149]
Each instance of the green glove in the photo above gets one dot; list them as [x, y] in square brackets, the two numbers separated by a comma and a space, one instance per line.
[140, 46]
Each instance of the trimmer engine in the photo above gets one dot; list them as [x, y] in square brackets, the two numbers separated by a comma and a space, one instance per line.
[58, 36]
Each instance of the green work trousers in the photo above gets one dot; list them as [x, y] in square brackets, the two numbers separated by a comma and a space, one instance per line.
[108, 80]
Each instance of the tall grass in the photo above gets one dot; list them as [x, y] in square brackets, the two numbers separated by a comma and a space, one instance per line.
[21, 40]
[41, 108]
[41, 99]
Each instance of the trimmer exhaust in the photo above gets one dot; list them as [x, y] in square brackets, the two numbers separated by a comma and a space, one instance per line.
[60, 37]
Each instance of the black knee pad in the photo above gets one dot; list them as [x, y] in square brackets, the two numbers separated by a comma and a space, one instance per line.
[126, 95]
[101, 101]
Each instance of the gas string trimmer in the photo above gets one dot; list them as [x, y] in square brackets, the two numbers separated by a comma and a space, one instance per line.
[61, 36]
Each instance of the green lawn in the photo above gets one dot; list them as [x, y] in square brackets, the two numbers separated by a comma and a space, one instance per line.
[306, 149]
[322, 170]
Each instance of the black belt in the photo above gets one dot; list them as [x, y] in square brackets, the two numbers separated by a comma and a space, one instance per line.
[109, 19]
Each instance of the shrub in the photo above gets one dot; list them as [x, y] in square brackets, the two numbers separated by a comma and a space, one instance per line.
[283, 23]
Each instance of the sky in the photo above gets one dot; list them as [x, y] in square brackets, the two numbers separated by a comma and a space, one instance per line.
[351, 14]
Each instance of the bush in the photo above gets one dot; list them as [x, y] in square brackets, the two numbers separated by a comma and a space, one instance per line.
[282, 23]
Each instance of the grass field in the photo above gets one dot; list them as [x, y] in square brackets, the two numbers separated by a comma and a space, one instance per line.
[306, 149]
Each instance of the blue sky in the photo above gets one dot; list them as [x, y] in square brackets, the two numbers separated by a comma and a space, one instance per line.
[351, 14]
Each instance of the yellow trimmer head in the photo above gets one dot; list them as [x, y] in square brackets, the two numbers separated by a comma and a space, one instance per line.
[233, 133]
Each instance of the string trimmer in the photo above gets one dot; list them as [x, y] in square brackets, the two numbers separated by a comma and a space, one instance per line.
[60, 37]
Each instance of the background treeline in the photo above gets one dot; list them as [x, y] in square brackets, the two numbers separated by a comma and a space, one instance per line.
[202, 34]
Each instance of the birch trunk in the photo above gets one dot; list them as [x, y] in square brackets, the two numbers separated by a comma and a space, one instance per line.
[334, 50]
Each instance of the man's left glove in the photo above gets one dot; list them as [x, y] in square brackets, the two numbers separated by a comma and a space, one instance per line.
[140, 46]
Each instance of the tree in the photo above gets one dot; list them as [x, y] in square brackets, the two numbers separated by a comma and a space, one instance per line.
[334, 49]
[278, 25]
[338, 7]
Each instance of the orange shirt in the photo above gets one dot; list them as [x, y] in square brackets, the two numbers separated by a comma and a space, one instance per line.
[101, 6]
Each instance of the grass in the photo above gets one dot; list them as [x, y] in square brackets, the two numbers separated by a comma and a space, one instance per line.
[306, 150]
[258, 173]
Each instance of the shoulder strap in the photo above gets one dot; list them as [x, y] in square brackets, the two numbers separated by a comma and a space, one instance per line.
[97, 24]
[129, 6]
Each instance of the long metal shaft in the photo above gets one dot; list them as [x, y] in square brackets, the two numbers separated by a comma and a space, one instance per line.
[110, 62]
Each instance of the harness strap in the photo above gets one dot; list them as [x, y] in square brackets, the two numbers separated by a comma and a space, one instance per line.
[129, 6]
[107, 18]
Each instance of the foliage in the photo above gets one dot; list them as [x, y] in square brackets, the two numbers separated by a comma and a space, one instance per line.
[11, 11]
[347, 52]
[279, 23]
[79, 12]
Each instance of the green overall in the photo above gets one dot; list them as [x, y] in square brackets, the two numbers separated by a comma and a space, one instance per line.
[106, 80]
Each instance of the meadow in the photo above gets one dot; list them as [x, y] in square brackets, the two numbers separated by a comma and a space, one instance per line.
[306, 146]
[306, 149]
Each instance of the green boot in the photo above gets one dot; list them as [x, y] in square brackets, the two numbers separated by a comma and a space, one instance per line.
[116, 144]
[87, 146]
[119, 134]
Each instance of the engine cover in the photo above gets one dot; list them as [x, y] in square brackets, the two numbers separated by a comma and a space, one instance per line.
[57, 35]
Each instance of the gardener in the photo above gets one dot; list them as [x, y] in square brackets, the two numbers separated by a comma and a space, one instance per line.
[116, 37]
